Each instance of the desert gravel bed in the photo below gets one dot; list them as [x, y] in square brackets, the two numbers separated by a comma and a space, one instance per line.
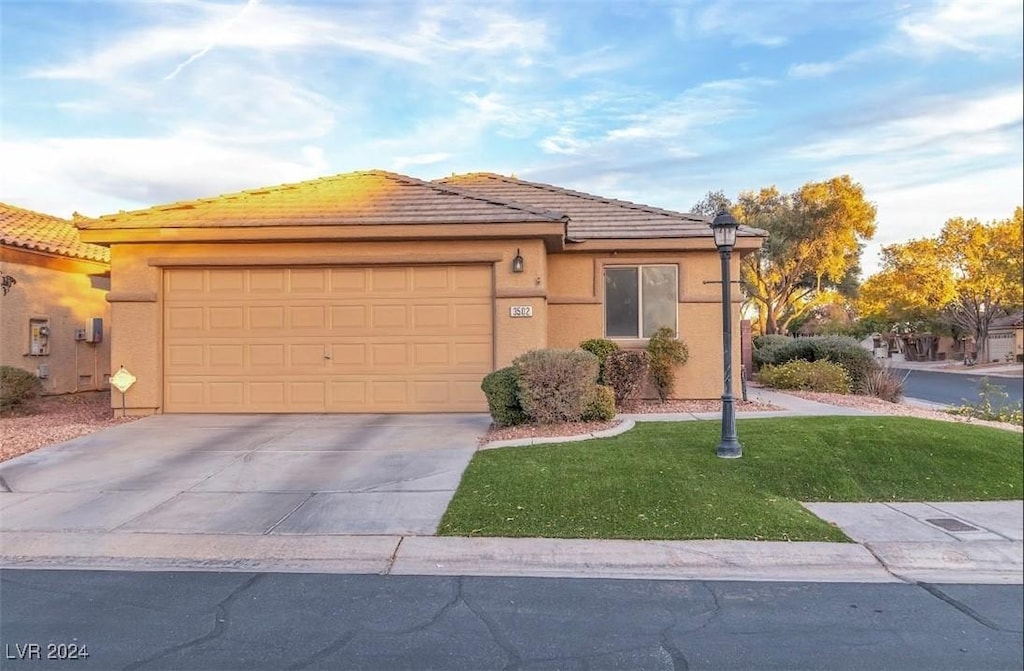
[642, 407]
[873, 404]
[55, 419]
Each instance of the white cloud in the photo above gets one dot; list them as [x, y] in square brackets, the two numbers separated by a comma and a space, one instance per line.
[941, 128]
[973, 26]
[403, 162]
[96, 175]
[920, 211]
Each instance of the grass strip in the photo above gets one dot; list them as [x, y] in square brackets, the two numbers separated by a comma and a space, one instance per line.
[662, 480]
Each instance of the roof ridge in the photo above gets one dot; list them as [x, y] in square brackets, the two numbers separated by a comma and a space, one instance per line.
[386, 174]
[581, 194]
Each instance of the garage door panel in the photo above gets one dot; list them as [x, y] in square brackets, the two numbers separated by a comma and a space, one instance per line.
[229, 281]
[310, 393]
[267, 394]
[266, 317]
[389, 280]
[350, 281]
[349, 319]
[435, 280]
[385, 339]
[184, 282]
[266, 281]
[226, 356]
[388, 317]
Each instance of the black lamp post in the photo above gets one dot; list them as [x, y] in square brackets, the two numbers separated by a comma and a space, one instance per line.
[724, 228]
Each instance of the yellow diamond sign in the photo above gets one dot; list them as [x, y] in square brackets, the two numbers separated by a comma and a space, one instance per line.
[122, 379]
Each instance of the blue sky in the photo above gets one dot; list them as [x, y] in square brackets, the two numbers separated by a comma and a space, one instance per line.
[120, 105]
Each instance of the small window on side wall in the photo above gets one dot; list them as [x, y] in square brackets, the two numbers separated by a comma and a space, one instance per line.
[638, 300]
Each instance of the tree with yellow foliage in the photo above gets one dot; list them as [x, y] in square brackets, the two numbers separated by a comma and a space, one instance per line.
[967, 276]
[815, 239]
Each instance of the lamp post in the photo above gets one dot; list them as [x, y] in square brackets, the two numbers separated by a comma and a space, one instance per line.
[724, 229]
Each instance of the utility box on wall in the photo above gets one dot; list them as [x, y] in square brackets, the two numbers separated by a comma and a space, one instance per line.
[38, 337]
[94, 330]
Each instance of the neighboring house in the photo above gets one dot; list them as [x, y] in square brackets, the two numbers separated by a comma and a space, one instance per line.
[376, 292]
[54, 315]
[1006, 338]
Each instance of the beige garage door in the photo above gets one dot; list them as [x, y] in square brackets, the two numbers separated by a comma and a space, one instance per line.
[343, 339]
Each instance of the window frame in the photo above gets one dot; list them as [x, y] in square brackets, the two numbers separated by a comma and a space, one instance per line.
[640, 298]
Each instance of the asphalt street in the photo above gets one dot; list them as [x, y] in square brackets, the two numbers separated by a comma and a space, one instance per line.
[954, 389]
[207, 620]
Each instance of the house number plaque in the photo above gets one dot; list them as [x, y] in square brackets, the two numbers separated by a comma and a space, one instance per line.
[520, 311]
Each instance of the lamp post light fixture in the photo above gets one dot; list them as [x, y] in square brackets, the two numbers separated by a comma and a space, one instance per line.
[724, 229]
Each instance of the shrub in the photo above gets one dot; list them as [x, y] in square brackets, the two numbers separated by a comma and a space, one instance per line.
[601, 348]
[843, 350]
[884, 383]
[625, 371]
[555, 385]
[992, 405]
[502, 390]
[17, 386]
[767, 347]
[823, 376]
[600, 405]
[665, 352]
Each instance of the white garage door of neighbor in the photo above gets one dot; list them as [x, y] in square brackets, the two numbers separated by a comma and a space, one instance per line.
[339, 339]
[1000, 346]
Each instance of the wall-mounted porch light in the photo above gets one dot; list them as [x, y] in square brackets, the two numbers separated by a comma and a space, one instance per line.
[517, 262]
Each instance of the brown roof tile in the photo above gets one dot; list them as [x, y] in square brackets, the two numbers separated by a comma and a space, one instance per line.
[46, 233]
[355, 198]
[591, 217]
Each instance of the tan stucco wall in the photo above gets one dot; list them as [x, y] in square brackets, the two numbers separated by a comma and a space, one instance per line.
[576, 312]
[136, 293]
[67, 297]
[564, 289]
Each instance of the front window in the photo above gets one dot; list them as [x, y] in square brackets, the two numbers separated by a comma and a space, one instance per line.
[638, 300]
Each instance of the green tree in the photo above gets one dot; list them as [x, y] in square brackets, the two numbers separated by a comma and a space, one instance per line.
[815, 239]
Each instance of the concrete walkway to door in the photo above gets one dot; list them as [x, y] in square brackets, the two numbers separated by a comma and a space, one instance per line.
[245, 474]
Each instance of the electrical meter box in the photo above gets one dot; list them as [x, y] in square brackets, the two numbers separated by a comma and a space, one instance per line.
[94, 330]
[38, 337]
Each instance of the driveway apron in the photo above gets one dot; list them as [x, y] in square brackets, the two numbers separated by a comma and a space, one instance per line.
[246, 474]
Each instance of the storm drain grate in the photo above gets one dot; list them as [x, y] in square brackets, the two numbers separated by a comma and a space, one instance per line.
[950, 524]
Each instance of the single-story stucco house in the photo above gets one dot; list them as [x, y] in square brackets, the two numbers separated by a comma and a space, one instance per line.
[54, 315]
[376, 292]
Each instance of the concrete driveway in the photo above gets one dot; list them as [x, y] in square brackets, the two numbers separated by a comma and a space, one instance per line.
[245, 474]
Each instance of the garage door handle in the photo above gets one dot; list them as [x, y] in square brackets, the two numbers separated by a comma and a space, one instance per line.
[327, 356]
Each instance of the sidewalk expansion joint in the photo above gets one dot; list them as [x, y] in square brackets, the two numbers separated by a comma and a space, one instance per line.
[393, 557]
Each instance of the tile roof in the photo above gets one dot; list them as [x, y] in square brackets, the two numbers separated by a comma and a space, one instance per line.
[46, 233]
[591, 217]
[1009, 321]
[355, 198]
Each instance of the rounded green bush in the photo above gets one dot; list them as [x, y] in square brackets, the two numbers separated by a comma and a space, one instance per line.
[502, 390]
[665, 352]
[555, 384]
[601, 405]
[601, 348]
[17, 386]
[823, 376]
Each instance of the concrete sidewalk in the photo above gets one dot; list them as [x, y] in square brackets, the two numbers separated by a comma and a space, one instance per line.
[910, 542]
[978, 542]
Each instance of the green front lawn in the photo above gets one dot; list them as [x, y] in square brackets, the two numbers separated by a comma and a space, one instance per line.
[662, 480]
